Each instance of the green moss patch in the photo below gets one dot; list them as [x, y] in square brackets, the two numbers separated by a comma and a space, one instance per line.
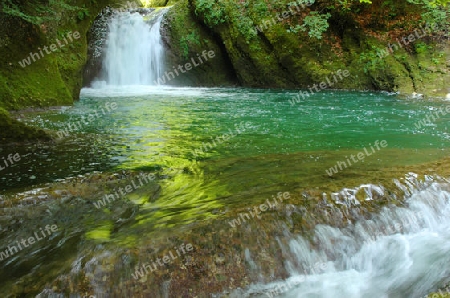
[15, 131]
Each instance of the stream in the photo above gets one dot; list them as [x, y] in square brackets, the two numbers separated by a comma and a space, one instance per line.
[161, 191]
[376, 228]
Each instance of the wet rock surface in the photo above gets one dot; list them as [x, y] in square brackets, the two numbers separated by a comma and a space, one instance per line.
[94, 252]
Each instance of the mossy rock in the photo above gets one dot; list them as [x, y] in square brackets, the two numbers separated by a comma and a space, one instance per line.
[184, 39]
[51, 78]
[15, 131]
[277, 56]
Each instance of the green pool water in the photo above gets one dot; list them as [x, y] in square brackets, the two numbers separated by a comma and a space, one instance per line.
[163, 128]
[254, 144]
[271, 144]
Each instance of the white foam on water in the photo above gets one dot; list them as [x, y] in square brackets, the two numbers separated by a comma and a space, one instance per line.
[104, 90]
[401, 252]
[134, 52]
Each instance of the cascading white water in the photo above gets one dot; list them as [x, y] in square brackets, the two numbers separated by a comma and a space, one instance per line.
[401, 252]
[134, 51]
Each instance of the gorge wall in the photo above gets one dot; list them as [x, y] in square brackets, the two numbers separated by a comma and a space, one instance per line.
[383, 46]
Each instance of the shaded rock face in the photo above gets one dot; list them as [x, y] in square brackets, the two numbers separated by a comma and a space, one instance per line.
[185, 39]
[22, 85]
[275, 56]
[97, 37]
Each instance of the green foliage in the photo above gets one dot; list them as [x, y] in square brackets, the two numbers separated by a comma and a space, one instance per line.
[260, 8]
[219, 12]
[40, 13]
[439, 2]
[421, 47]
[434, 12]
[346, 5]
[83, 13]
[243, 22]
[213, 12]
[372, 59]
[316, 24]
[244, 14]
[187, 40]
[14, 10]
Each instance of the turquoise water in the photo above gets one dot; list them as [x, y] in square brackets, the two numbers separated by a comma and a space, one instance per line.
[284, 148]
[162, 128]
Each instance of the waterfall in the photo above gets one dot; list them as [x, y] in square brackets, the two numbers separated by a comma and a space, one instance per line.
[134, 51]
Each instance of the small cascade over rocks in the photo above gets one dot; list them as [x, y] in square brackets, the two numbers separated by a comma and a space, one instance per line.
[403, 251]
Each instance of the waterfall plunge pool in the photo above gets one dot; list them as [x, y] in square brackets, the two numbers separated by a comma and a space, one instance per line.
[328, 220]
